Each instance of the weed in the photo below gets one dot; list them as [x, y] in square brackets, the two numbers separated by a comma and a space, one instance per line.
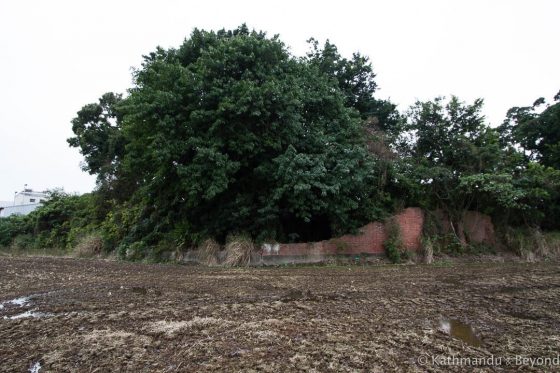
[393, 243]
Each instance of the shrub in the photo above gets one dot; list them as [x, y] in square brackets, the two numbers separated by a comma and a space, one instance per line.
[13, 226]
[162, 251]
[452, 245]
[23, 242]
[393, 243]
[132, 251]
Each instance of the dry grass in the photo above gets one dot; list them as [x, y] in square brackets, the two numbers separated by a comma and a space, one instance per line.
[548, 244]
[207, 252]
[171, 328]
[89, 246]
[553, 239]
[532, 244]
[428, 250]
[238, 251]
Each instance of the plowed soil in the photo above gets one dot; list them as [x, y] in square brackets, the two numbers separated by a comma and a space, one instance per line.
[70, 315]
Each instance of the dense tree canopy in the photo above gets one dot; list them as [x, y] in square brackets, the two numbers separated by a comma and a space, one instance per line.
[449, 144]
[453, 161]
[531, 137]
[230, 133]
[535, 131]
[98, 134]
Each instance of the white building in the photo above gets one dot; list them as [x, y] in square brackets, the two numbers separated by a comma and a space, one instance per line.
[29, 197]
[24, 202]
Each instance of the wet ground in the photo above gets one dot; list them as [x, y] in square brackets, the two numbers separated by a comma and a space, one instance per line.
[69, 315]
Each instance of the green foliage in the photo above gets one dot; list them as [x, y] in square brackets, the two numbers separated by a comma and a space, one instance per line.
[12, 227]
[24, 242]
[120, 223]
[497, 188]
[535, 131]
[453, 161]
[61, 222]
[393, 244]
[135, 251]
[229, 133]
[452, 156]
[98, 136]
[356, 80]
[538, 204]
[531, 137]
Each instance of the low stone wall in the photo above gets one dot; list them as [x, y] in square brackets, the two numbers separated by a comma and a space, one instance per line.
[368, 241]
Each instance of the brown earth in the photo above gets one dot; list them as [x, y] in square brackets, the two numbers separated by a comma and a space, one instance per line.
[103, 316]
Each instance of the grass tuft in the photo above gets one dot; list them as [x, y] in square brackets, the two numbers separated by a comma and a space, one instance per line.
[238, 251]
[207, 252]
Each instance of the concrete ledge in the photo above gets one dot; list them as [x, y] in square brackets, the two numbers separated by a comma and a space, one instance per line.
[274, 260]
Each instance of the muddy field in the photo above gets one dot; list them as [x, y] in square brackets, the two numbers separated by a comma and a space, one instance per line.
[69, 315]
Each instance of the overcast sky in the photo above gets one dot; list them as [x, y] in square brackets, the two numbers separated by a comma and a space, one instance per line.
[56, 56]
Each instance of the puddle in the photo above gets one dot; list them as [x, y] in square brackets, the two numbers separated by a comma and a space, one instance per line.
[20, 302]
[26, 314]
[460, 330]
[24, 302]
[35, 368]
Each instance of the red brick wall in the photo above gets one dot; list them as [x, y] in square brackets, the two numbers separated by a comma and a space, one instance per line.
[411, 222]
[478, 228]
[370, 240]
[474, 227]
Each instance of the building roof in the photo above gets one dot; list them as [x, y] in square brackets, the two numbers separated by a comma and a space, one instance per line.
[33, 194]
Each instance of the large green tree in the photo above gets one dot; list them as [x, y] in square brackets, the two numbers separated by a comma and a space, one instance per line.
[452, 161]
[356, 80]
[535, 131]
[98, 136]
[231, 133]
[531, 135]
